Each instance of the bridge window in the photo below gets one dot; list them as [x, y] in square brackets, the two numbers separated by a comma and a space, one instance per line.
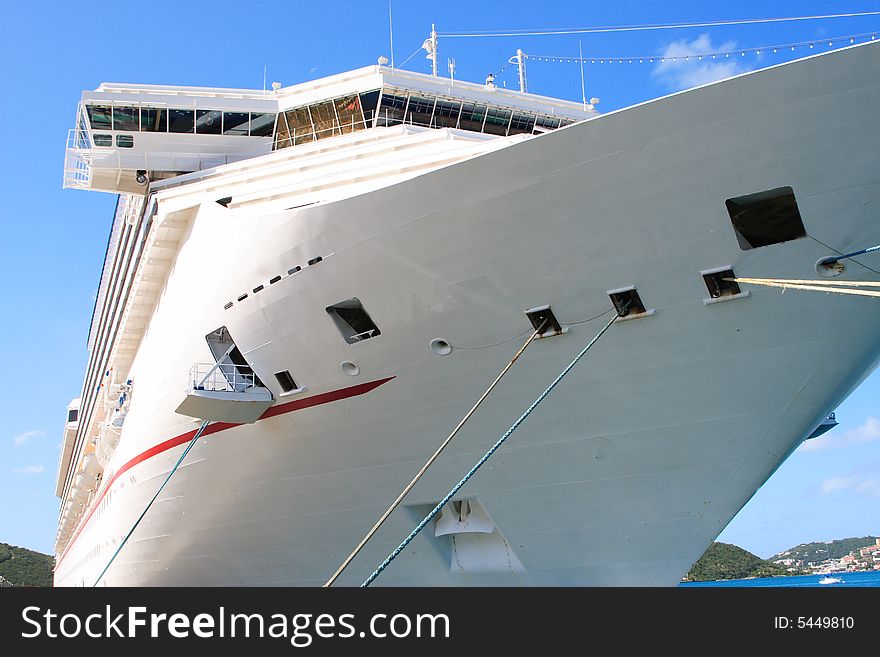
[420, 110]
[102, 140]
[100, 118]
[446, 113]
[125, 118]
[521, 123]
[262, 125]
[547, 123]
[235, 123]
[300, 125]
[368, 106]
[324, 119]
[154, 120]
[208, 122]
[497, 121]
[124, 141]
[391, 110]
[181, 120]
[472, 117]
[348, 110]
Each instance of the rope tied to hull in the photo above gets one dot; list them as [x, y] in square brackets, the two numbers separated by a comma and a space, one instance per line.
[400, 548]
[186, 451]
[837, 287]
[433, 458]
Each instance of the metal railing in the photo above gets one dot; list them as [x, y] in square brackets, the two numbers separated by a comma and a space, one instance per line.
[77, 164]
[222, 377]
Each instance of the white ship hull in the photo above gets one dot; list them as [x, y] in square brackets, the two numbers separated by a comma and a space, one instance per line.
[643, 454]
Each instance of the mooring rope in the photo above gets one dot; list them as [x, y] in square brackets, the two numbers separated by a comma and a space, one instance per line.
[833, 259]
[433, 458]
[147, 508]
[823, 286]
[400, 548]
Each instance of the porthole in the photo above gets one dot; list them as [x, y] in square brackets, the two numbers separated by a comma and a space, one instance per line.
[350, 368]
[441, 347]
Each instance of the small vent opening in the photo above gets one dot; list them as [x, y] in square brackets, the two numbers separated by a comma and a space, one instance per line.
[353, 321]
[765, 218]
[225, 201]
[719, 285]
[627, 302]
[286, 381]
[543, 316]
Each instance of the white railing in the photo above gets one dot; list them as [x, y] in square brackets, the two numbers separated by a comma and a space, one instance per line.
[77, 165]
[219, 377]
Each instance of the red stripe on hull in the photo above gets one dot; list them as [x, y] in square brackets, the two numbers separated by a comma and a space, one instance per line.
[278, 409]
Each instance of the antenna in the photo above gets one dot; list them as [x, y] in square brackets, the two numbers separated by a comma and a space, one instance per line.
[430, 46]
[391, 33]
[521, 65]
[583, 87]
[451, 65]
[264, 78]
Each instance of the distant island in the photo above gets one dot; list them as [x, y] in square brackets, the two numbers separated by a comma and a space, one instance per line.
[23, 567]
[840, 556]
[726, 561]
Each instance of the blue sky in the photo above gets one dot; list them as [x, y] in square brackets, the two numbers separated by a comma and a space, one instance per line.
[52, 241]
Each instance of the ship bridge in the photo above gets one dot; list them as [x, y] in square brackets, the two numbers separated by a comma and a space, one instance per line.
[128, 135]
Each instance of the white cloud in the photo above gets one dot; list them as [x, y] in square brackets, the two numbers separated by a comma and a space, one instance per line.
[856, 483]
[683, 68]
[22, 438]
[30, 469]
[868, 431]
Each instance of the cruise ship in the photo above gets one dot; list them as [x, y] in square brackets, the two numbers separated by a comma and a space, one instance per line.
[318, 281]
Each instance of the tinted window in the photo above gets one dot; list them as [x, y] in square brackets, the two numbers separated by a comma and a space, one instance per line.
[497, 120]
[208, 122]
[103, 140]
[154, 120]
[446, 113]
[547, 123]
[125, 141]
[324, 119]
[521, 123]
[368, 105]
[299, 123]
[181, 120]
[262, 125]
[125, 118]
[235, 123]
[420, 110]
[99, 117]
[391, 109]
[348, 110]
[472, 117]
[282, 133]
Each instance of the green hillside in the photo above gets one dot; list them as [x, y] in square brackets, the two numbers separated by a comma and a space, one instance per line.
[725, 561]
[831, 550]
[24, 567]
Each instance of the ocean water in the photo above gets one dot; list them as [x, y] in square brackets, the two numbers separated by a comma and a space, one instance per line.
[868, 578]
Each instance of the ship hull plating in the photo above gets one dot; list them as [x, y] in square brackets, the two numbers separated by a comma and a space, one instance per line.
[641, 456]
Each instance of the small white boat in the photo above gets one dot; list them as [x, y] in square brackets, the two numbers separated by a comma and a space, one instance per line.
[828, 579]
